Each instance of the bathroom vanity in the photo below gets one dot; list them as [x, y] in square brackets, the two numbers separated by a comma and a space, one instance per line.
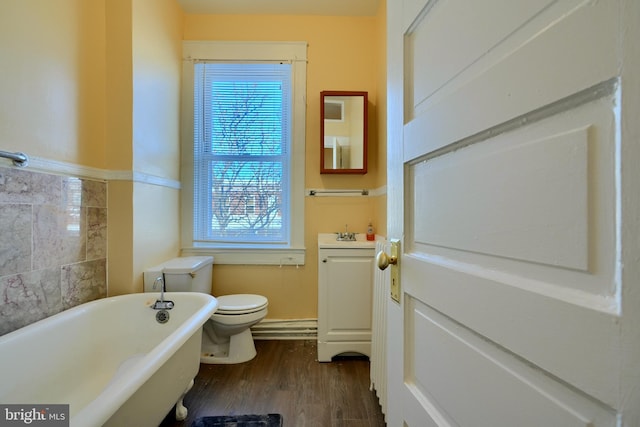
[345, 292]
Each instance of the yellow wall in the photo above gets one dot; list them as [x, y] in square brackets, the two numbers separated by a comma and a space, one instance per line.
[118, 155]
[157, 68]
[157, 65]
[53, 79]
[343, 54]
[381, 149]
[119, 85]
[144, 39]
[156, 236]
[119, 237]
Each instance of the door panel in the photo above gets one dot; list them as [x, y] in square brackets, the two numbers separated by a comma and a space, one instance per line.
[521, 191]
[548, 59]
[432, 37]
[537, 201]
[349, 296]
[442, 358]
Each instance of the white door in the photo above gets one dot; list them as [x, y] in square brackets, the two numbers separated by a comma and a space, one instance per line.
[514, 186]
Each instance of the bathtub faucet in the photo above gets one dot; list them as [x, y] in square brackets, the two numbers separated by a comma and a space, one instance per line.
[161, 304]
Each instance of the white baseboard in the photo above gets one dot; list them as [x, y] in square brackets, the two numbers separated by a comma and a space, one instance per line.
[286, 329]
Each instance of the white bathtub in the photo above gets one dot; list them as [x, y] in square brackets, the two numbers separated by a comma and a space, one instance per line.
[109, 359]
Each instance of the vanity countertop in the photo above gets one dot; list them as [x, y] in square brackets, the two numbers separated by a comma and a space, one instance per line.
[328, 240]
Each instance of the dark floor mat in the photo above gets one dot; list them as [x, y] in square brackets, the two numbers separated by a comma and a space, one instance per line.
[269, 420]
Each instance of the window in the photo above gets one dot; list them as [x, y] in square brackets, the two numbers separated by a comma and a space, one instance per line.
[250, 206]
[242, 133]
[243, 151]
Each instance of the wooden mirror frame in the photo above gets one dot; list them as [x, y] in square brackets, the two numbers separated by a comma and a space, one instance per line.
[365, 142]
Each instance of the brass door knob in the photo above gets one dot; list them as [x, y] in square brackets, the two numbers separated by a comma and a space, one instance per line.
[383, 260]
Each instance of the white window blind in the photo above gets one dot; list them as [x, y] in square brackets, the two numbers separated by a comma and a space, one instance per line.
[242, 144]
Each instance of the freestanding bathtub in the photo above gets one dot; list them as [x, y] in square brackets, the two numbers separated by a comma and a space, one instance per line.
[109, 359]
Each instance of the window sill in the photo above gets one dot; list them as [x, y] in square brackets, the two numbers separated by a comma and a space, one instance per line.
[250, 256]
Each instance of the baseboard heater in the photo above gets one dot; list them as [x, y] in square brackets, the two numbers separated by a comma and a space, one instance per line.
[381, 290]
[286, 329]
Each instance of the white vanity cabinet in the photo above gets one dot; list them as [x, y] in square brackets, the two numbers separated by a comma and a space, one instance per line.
[345, 292]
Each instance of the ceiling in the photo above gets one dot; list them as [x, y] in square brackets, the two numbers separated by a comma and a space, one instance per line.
[282, 7]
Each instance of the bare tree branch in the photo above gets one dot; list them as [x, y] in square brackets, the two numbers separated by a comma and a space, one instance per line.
[246, 193]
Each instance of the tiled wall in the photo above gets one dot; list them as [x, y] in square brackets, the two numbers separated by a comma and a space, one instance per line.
[53, 244]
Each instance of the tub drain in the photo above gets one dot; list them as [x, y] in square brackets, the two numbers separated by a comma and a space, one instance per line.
[162, 316]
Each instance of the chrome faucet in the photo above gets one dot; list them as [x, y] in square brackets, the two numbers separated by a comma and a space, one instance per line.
[161, 304]
[346, 236]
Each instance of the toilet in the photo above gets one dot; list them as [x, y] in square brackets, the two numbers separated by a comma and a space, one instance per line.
[226, 336]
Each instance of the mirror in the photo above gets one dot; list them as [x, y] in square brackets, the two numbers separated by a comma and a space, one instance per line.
[343, 132]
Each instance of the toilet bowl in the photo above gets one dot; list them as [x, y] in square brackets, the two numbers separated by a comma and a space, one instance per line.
[228, 333]
[226, 337]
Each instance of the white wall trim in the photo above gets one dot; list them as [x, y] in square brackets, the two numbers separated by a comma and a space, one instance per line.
[247, 256]
[380, 191]
[195, 50]
[153, 180]
[39, 164]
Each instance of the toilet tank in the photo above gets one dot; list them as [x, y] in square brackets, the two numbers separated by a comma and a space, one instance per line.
[184, 274]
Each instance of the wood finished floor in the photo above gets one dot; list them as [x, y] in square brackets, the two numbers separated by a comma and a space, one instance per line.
[286, 378]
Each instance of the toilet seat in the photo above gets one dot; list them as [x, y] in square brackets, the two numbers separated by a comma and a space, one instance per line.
[240, 304]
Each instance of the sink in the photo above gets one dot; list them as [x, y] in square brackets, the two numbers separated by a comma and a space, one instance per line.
[346, 237]
[331, 240]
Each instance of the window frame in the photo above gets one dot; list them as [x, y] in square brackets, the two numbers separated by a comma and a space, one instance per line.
[293, 252]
